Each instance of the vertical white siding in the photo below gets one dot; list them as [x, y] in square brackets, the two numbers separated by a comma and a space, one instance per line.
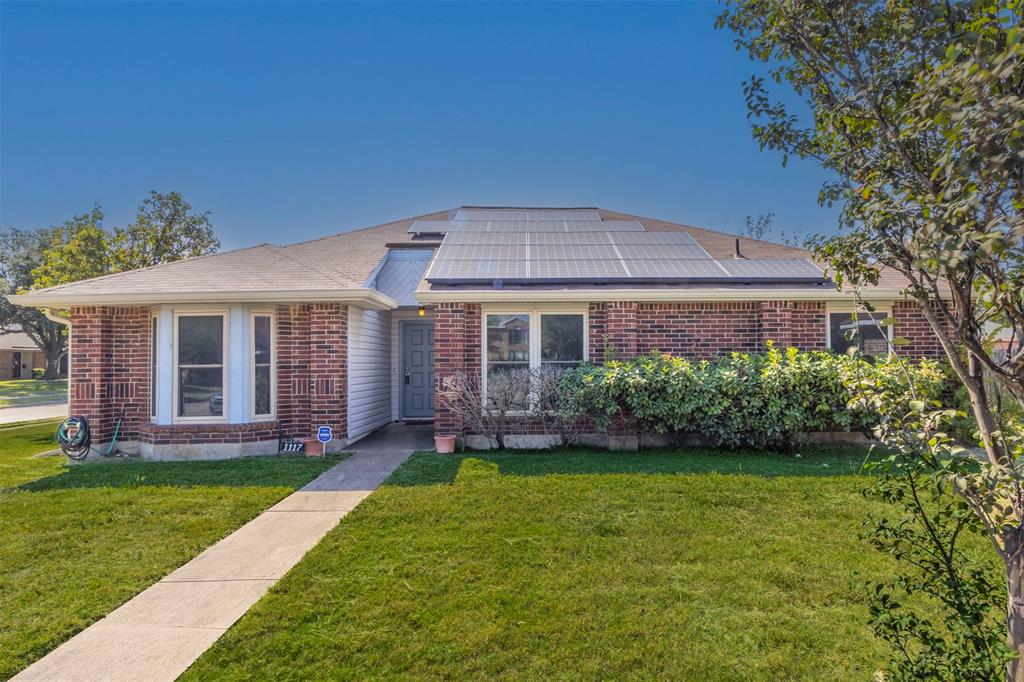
[369, 370]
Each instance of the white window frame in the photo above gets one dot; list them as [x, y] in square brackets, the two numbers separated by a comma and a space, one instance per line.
[253, 314]
[848, 309]
[154, 362]
[176, 376]
[535, 314]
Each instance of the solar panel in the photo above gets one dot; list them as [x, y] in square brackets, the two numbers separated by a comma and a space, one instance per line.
[480, 270]
[662, 251]
[605, 226]
[526, 214]
[773, 268]
[572, 252]
[693, 268]
[577, 269]
[653, 238]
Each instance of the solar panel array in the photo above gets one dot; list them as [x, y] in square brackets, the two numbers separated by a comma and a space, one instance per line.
[574, 245]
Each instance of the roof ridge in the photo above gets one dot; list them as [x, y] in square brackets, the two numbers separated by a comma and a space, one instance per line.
[110, 275]
[371, 227]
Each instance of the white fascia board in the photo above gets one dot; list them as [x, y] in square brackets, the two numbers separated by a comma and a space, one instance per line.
[362, 298]
[647, 295]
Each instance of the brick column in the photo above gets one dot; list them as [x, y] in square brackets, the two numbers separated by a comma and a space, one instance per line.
[110, 358]
[775, 323]
[450, 355]
[912, 324]
[809, 324]
[293, 369]
[328, 367]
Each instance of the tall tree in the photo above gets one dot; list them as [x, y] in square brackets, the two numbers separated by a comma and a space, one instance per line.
[78, 249]
[165, 229]
[917, 108]
[21, 253]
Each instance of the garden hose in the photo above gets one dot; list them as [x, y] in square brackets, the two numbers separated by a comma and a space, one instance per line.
[75, 438]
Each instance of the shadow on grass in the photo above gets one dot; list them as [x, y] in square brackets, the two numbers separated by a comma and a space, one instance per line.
[289, 471]
[428, 468]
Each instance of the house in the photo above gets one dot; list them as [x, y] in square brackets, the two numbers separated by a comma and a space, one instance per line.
[219, 355]
[19, 355]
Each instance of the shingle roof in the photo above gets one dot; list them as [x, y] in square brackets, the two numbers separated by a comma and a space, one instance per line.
[341, 261]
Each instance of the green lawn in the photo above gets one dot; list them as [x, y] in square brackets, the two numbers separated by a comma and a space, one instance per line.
[690, 565]
[21, 392]
[78, 541]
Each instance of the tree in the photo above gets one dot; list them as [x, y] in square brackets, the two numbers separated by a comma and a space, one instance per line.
[20, 254]
[917, 109]
[78, 249]
[759, 227]
[165, 230]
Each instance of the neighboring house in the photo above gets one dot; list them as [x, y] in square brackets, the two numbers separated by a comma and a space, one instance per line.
[19, 355]
[216, 356]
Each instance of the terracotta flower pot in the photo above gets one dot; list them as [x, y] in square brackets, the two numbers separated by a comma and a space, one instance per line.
[313, 447]
[444, 445]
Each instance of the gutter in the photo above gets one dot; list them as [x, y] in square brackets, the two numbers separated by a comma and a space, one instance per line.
[655, 295]
[360, 297]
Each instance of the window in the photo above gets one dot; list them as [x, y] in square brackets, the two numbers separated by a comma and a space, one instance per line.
[512, 344]
[263, 382]
[561, 340]
[862, 333]
[199, 366]
[152, 368]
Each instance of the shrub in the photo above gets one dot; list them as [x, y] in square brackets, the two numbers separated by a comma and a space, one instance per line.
[763, 400]
[38, 372]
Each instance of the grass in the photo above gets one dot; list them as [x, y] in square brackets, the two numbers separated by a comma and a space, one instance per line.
[694, 565]
[78, 541]
[22, 392]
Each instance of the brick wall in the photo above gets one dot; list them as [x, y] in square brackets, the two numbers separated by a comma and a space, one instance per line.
[110, 351]
[312, 368]
[912, 324]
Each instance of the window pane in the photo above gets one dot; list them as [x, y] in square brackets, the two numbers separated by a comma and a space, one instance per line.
[261, 339]
[866, 335]
[201, 392]
[508, 338]
[561, 338]
[508, 385]
[262, 389]
[200, 340]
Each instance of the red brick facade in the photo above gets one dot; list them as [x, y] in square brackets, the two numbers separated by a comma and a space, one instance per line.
[110, 373]
[110, 352]
[626, 329]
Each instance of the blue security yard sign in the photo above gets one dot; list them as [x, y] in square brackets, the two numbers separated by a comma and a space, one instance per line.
[324, 435]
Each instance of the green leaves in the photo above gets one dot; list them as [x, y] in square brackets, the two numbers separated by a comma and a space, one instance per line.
[767, 400]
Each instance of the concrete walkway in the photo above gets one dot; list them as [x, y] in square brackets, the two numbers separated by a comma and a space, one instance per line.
[162, 630]
[10, 415]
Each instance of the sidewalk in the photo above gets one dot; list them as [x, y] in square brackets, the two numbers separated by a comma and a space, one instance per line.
[162, 630]
[9, 415]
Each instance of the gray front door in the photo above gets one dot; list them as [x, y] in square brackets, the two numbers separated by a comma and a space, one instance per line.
[417, 370]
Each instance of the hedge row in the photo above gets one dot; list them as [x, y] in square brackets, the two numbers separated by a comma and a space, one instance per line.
[765, 400]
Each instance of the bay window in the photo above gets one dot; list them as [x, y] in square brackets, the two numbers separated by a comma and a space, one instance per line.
[199, 366]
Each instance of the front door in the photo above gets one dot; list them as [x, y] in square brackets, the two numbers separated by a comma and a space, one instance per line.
[417, 370]
[16, 365]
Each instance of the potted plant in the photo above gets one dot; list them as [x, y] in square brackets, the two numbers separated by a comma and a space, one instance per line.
[444, 444]
[312, 446]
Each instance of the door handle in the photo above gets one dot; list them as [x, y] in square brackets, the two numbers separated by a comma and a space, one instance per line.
[407, 378]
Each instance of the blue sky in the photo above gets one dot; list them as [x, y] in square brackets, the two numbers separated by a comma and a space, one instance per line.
[291, 121]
